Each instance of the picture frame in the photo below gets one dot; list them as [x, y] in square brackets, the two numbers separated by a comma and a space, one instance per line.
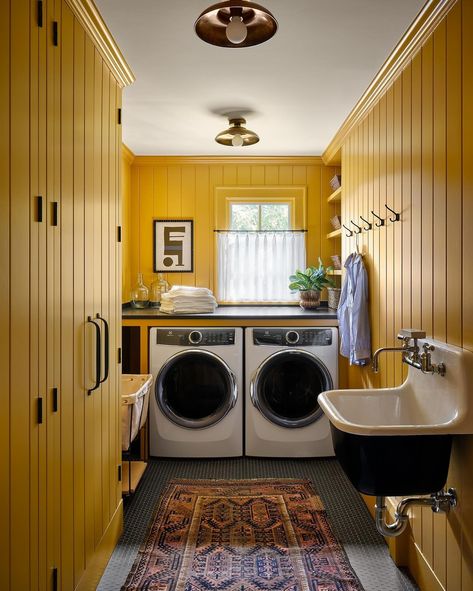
[173, 246]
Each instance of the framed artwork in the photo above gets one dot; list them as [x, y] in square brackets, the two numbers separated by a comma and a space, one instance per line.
[173, 246]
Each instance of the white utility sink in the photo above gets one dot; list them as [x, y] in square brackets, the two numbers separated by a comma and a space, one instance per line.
[425, 404]
[397, 441]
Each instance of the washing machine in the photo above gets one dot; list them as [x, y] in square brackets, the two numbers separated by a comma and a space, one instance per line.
[286, 370]
[196, 406]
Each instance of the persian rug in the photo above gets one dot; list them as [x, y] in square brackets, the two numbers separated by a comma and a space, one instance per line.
[241, 535]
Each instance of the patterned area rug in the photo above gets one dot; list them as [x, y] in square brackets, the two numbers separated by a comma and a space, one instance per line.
[241, 535]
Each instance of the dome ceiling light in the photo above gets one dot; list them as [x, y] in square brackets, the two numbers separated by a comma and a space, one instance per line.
[236, 23]
[237, 135]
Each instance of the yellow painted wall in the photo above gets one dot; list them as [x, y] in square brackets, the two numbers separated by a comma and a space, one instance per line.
[414, 151]
[183, 187]
[127, 160]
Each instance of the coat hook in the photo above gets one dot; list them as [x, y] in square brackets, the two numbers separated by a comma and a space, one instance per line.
[368, 226]
[397, 216]
[358, 228]
[381, 220]
[350, 233]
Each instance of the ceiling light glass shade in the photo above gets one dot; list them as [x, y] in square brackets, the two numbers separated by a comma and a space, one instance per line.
[237, 135]
[225, 23]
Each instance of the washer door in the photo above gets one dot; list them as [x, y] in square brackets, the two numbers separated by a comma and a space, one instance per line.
[195, 389]
[286, 385]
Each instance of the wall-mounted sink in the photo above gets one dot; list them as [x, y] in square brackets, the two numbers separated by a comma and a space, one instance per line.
[397, 441]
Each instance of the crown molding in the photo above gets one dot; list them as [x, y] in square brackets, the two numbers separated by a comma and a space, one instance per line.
[423, 26]
[207, 160]
[90, 18]
[127, 154]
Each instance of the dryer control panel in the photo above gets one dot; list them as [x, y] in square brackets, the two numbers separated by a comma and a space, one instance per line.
[198, 337]
[293, 337]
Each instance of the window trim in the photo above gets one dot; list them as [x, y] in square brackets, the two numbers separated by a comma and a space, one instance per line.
[260, 203]
[295, 195]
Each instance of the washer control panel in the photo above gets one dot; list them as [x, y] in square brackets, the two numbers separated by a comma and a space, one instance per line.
[292, 337]
[195, 337]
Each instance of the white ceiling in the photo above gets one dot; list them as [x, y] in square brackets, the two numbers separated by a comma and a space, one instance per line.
[295, 89]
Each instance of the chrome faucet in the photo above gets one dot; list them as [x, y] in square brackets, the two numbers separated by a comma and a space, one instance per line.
[410, 353]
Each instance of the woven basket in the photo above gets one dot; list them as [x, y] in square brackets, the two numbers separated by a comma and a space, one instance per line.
[333, 297]
[336, 182]
[336, 222]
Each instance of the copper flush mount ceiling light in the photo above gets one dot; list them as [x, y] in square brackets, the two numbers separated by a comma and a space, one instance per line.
[237, 135]
[236, 23]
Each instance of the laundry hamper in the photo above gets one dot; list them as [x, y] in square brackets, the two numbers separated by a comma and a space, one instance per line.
[135, 402]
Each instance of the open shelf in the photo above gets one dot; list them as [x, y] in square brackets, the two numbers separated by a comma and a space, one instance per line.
[335, 196]
[137, 470]
[334, 234]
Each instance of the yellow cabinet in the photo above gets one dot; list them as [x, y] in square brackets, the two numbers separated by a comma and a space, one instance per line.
[60, 261]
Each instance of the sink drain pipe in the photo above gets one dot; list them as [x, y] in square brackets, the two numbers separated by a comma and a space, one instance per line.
[440, 502]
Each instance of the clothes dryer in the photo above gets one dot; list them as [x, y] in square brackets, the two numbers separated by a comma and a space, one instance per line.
[196, 406]
[286, 369]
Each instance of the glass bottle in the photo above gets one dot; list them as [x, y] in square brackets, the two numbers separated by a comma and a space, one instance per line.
[158, 287]
[139, 294]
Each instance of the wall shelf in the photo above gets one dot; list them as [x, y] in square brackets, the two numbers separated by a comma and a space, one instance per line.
[335, 196]
[334, 234]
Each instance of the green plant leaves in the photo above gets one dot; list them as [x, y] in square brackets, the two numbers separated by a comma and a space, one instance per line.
[312, 278]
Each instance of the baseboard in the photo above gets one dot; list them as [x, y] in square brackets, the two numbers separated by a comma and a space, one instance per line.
[92, 575]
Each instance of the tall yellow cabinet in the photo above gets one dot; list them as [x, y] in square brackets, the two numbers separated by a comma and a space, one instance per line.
[60, 141]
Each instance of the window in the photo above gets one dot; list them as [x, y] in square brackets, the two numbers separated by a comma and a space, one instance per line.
[259, 252]
[260, 216]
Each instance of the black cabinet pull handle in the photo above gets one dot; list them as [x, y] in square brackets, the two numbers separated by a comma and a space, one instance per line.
[106, 348]
[98, 355]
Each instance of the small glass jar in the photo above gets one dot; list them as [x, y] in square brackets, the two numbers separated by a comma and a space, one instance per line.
[158, 287]
[139, 294]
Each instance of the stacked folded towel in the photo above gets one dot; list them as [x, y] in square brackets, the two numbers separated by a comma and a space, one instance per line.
[182, 299]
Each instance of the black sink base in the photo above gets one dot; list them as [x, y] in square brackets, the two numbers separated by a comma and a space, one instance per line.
[393, 465]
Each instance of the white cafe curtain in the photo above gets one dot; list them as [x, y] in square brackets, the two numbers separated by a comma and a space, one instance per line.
[255, 266]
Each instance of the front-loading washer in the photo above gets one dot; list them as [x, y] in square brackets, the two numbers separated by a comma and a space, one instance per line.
[286, 370]
[196, 406]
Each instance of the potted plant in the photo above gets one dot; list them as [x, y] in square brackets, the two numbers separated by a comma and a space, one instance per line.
[310, 283]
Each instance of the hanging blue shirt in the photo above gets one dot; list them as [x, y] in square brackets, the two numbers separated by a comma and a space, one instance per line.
[353, 313]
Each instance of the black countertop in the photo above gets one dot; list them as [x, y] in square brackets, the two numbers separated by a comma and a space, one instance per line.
[239, 312]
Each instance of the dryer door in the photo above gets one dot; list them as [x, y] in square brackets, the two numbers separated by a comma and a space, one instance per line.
[286, 385]
[195, 389]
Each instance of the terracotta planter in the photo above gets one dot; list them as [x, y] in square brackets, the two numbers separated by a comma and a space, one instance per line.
[309, 299]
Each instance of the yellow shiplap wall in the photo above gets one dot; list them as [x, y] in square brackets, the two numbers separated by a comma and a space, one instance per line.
[414, 151]
[183, 187]
[127, 160]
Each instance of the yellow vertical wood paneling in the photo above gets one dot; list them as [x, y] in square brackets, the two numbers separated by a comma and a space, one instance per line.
[397, 206]
[104, 308]
[439, 189]
[67, 298]
[230, 174]
[454, 249]
[134, 230]
[271, 175]
[426, 237]
[454, 171]
[216, 180]
[420, 154]
[99, 517]
[44, 532]
[416, 196]
[125, 216]
[79, 315]
[146, 204]
[201, 231]
[257, 175]
[20, 406]
[90, 449]
[285, 175]
[244, 174]
[188, 205]
[5, 547]
[35, 429]
[389, 192]
[174, 207]
[314, 235]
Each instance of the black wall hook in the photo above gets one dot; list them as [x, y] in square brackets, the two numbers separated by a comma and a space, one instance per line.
[397, 216]
[368, 226]
[381, 220]
[358, 228]
[350, 233]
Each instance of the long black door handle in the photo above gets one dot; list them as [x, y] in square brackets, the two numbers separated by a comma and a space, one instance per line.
[98, 355]
[106, 348]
